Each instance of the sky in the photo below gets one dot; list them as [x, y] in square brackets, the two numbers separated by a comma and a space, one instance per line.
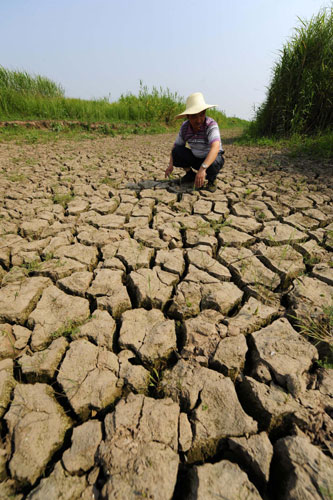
[225, 49]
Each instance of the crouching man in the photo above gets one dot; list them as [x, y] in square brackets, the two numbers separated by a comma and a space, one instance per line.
[205, 153]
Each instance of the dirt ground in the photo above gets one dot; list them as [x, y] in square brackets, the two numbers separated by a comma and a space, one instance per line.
[154, 338]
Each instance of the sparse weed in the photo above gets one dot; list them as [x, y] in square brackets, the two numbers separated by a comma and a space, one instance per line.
[218, 225]
[32, 266]
[17, 178]
[110, 182]
[204, 228]
[248, 193]
[155, 381]
[260, 215]
[48, 256]
[325, 363]
[318, 328]
[69, 329]
[62, 199]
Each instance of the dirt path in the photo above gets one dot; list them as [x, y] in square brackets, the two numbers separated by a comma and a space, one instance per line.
[150, 335]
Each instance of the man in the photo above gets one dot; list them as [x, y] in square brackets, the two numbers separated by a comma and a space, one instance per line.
[202, 134]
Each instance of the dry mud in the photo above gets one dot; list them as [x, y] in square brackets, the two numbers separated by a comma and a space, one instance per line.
[150, 343]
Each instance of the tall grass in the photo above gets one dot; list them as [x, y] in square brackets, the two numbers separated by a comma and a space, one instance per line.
[300, 96]
[23, 97]
[155, 105]
[22, 82]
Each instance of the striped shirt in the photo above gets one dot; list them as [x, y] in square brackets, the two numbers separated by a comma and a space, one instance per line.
[200, 142]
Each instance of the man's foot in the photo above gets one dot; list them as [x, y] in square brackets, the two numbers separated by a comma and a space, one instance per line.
[211, 186]
[188, 178]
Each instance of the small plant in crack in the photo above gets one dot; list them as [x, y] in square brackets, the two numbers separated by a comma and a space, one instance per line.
[204, 228]
[48, 256]
[248, 192]
[62, 199]
[260, 215]
[311, 260]
[244, 265]
[218, 225]
[319, 328]
[155, 381]
[69, 329]
[32, 266]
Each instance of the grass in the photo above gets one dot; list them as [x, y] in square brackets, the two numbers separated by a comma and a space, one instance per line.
[319, 145]
[110, 182]
[68, 330]
[155, 381]
[300, 96]
[76, 132]
[31, 103]
[30, 98]
[24, 83]
[63, 199]
[17, 177]
[32, 266]
[318, 329]
[298, 111]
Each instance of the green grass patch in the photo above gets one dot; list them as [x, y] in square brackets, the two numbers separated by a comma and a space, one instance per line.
[319, 145]
[17, 178]
[75, 132]
[36, 98]
[62, 199]
[71, 328]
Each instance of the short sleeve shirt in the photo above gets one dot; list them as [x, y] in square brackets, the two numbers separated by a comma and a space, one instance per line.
[200, 142]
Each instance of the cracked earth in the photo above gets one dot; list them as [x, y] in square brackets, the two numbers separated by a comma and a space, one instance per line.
[151, 335]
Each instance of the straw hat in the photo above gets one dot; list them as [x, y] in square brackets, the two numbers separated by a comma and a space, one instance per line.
[195, 103]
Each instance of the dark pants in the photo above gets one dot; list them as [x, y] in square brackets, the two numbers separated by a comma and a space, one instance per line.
[184, 158]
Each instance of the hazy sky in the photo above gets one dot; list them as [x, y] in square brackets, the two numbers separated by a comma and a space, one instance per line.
[100, 48]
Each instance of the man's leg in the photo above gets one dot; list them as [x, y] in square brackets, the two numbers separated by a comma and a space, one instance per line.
[212, 172]
[214, 168]
[185, 159]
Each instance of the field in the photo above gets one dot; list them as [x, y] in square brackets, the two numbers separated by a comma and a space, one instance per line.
[155, 337]
[159, 341]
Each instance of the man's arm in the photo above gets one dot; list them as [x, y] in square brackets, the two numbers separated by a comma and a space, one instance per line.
[210, 158]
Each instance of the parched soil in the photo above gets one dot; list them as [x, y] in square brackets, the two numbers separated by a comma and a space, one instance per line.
[157, 341]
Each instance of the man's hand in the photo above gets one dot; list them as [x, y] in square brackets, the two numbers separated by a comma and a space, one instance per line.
[168, 171]
[200, 178]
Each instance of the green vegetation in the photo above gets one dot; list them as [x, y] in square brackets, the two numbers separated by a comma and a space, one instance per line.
[155, 381]
[25, 97]
[319, 145]
[12, 82]
[75, 132]
[62, 199]
[300, 97]
[319, 328]
[69, 329]
[298, 110]
[32, 266]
